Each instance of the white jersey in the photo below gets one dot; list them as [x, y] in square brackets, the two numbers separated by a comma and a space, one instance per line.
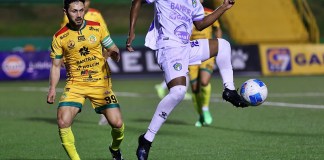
[173, 23]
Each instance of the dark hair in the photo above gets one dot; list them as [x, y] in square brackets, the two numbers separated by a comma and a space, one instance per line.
[68, 2]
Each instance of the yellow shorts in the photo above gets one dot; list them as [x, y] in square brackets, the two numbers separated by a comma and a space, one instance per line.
[101, 97]
[207, 66]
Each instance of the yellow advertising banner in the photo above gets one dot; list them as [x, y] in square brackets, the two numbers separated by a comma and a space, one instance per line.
[294, 59]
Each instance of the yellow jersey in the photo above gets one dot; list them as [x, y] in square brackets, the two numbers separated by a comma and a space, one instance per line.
[81, 51]
[207, 33]
[91, 15]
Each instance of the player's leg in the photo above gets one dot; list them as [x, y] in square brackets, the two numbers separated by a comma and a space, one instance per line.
[105, 102]
[195, 88]
[206, 70]
[222, 50]
[162, 88]
[174, 62]
[69, 106]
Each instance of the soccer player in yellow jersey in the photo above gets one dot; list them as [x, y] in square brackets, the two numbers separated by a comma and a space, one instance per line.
[91, 14]
[200, 74]
[79, 45]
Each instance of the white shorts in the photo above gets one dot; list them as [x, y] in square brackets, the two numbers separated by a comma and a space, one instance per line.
[176, 60]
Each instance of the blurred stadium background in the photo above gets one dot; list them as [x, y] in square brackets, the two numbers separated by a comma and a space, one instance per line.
[278, 41]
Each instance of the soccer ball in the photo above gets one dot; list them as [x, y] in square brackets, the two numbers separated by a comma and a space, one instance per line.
[254, 91]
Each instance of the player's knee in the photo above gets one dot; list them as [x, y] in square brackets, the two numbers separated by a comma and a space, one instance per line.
[223, 43]
[224, 46]
[117, 124]
[62, 123]
[178, 92]
[204, 83]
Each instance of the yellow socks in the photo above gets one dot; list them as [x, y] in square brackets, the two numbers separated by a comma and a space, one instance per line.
[205, 95]
[67, 139]
[196, 102]
[117, 137]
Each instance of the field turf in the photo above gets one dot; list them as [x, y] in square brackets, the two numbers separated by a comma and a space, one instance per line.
[289, 126]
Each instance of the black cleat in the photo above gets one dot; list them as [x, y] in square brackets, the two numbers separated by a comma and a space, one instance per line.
[116, 155]
[233, 97]
[143, 148]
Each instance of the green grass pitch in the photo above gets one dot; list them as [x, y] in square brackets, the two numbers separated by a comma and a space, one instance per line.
[289, 126]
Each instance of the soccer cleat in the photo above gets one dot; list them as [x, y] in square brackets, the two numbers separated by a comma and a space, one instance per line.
[207, 117]
[187, 96]
[160, 91]
[233, 97]
[116, 155]
[143, 148]
[200, 122]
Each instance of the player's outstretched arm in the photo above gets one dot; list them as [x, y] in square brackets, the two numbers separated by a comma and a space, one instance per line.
[53, 80]
[211, 18]
[136, 6]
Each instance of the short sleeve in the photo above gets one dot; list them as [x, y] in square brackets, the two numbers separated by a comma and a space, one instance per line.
[198, 13]
[106, 40]
[150, 1]
[56, 49]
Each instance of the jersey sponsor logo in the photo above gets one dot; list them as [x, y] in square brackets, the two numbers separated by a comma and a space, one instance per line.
[13, 66]
[88, 73]
[177, 66]
[81, 38]
[71, 44]
[177, 16]
[181, 8]
[93, 29]
[279, 59]
[64, 35]
[88, 59]
[84, 51]
[182, 33]
[92, 39]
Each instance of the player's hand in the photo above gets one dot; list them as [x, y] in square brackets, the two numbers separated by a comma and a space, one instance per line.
[114, 56]
[51, 96]
[131, 37]
[228, 3]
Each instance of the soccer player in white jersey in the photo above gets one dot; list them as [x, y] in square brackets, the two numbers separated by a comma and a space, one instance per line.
[169, 35]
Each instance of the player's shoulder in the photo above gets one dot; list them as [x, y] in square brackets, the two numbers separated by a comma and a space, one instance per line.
[208, 10]
[92, 23]
[92, 10]
[61, 31]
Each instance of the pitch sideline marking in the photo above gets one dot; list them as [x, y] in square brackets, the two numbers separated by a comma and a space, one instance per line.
[277, 104]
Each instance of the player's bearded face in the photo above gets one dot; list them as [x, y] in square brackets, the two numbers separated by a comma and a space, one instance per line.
[75, 13]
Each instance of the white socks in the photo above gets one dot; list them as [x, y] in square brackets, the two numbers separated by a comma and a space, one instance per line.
[164, 108]
[223, 61]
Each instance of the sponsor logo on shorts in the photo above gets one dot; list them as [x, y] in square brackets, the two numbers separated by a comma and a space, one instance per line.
[279, 59]
[13, 66]
[177, 66]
